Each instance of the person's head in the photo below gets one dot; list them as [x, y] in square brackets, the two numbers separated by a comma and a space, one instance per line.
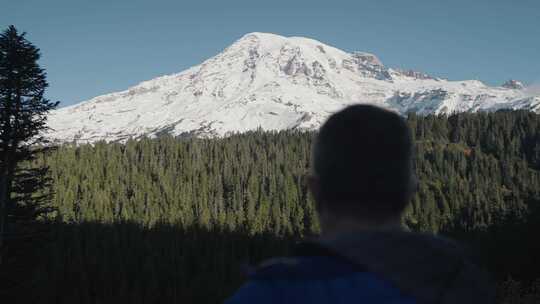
[362, 165]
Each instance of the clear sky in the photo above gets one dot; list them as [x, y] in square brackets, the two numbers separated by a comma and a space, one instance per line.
[94, 47]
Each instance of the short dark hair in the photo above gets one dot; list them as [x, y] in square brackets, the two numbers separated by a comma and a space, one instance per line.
[362, 157]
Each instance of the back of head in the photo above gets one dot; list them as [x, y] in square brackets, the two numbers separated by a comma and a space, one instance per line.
[362, 158]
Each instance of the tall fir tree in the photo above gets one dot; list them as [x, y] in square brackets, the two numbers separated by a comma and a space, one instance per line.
[23, 115]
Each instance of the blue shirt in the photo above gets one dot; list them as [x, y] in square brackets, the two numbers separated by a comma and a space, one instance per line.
[316, 279]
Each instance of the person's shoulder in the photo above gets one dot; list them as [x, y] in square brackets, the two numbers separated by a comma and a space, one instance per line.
[269, 281]
[425, 266]
[254, 292]
[303, 268]
[314, 279]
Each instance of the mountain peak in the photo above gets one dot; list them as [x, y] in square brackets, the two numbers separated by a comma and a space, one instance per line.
[262, 35]
[513, 84]
[272, 82]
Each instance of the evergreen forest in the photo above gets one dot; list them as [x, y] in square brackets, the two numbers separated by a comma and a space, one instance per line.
[181, 219]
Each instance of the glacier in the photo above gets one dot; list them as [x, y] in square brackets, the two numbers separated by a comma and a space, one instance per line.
[272, 82]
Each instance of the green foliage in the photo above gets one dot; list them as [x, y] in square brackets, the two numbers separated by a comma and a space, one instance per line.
[172, 219]
[254, 182]
[249, 183]
[23, 186]
[515, 292]
[127, 263]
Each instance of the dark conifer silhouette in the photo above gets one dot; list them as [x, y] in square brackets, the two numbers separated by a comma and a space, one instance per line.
[23, 110]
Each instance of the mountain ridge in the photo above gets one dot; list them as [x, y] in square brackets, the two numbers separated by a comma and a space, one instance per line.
[272, 82]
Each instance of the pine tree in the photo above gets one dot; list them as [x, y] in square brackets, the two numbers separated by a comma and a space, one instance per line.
[23, 110]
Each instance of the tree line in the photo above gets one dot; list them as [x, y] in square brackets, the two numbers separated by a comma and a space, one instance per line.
[472, 169]
[478, 182]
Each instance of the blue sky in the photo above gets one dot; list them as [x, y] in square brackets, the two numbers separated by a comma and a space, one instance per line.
[95, 47]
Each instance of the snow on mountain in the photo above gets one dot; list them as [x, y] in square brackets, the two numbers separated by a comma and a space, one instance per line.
[513, 84]
[272, 82]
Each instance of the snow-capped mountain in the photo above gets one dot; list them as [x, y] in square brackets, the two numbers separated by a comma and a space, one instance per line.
[272, 82]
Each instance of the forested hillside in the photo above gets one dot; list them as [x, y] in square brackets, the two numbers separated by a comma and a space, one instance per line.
[162, 220]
